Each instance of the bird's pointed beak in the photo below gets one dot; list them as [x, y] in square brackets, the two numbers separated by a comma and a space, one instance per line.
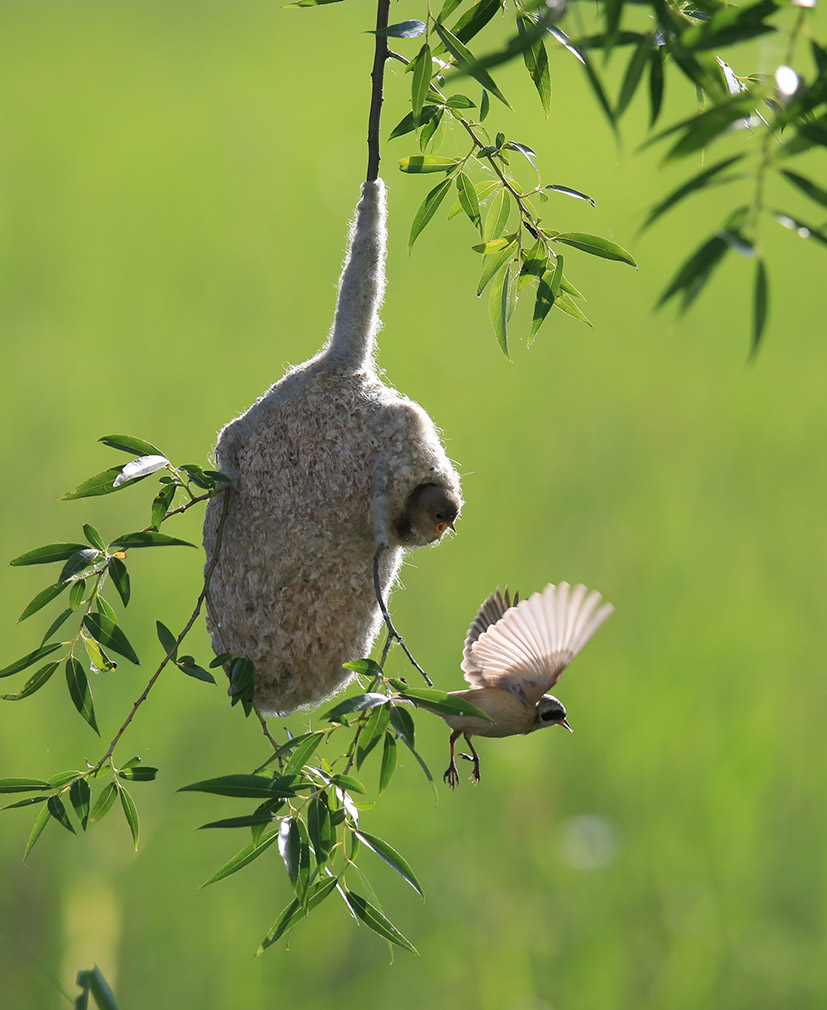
[565, 723]
[442, 527]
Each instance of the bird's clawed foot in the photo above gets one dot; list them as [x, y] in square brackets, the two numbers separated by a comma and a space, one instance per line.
[392, 632]
[451, 776]
[475, 771]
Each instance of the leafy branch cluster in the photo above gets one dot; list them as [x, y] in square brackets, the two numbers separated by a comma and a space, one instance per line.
[776, 116]
[310, 805]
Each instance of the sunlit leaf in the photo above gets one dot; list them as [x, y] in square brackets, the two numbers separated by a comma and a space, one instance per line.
[536, 61]
[289, 844]
[393, 858]
[44, 597]
[427, 210]
[55, 807]
[102, 483]
[40, 823]
[80, 692]
[22, 785]
[421, 70]
[33, 684]
[568, 191]
[378, 922]
[357, 703]
[104, 630]
[141, 467]
[104, 802]
[79, 794]
[316, 894]
[597, 246]
[468, 62]
[443, 703]
[240, 785]
[48, 553]
[468, 200]
[131, 444]
[148, 538]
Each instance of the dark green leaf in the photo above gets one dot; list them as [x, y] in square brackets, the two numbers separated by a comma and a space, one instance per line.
[104, 630]
[240, 785]
[303, 879]
[427, 210]
[357, 703]
[565, 304]
[597, 88]
[247, 821]
[168, 641]
[93, 537]
[495, 263]
[468, 62]
[420, 163]
[131, 444]
[143, 773]
[421, 69]
[474, 19]
[634, 72]
[150, 538]
[242, 859]
[130, 812]
[27, 801]
[699, 181]
[22, 785]
[485, 105]
[388, 767]
[498, 308]
[225, 657]
[92, 981]
[76, 594]
[347, 782]
[759, 301]
[402, 30]
[104, 802]
[60, 620]
[302, 754]
[43, 597]
[55, 807]
[364, 667]
[545, 297]
[295, 910]
[311, 3]
[468, 200]
[120, 578]
[443, 703]
[102, 483]
[536, 61]
[372, 732]
[80, 794]
[597, 246]
[47, 554]
[40, 823]
[403, 723]
[81, 565]
[196, 672]
[394, 859]
[80, 692]
[695, 271]
[655, 83]
[372, 917]
[62, 779]
[34, 683]
[322, 836]
[807, 186]
[29, 660]
[161, 504]
[105, 609]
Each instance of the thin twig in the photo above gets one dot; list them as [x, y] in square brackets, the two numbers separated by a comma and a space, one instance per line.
[380, 54]
[392, 632]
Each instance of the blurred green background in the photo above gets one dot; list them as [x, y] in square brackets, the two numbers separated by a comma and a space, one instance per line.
[176, 184]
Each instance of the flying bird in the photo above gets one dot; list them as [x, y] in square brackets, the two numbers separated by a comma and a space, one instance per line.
[514, 653]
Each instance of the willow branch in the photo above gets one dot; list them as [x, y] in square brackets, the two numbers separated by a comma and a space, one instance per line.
[380, 54]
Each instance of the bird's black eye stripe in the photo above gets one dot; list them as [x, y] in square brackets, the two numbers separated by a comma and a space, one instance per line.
[551, 714]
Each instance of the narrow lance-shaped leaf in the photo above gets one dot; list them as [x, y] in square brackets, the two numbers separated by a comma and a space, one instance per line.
[289, 843]
[79, 794]
[80, 692]
[393, 858]
[357, 703]
[33, 684]
[131, 444]
[102, 483]
[148, 538]
[28, 660]
[120, 579]
[241, 785]
[495, 263]
[597, 246]
[700, 181]
[104, 802]
[104, 630]
[634, 72]
[420, 80]
[807, 186]
[655, 84]
[427, 210]
[389, 753]
[22, 785]
[468, 62]
[58, 811]
[44, 597]
[498, 309]
[315, 895]
[536, 61]
[468, 200]
[760, 301]
[418, 164]
[130, 812]
[40, 823]
[243, 858]
[568, 191]
[566, 304]
[376, 921]
[47, 554]
[695, 271]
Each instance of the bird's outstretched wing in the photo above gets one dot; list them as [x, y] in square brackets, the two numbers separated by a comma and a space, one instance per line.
[525, 647]
[489, 613]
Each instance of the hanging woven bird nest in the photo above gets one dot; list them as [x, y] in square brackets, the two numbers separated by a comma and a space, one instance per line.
[331, 469]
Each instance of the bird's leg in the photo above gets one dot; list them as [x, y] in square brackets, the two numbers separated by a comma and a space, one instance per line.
[392, 632]
[451, 776]
[475, 771]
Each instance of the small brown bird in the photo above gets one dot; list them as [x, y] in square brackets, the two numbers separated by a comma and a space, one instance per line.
[430, 510]
[514, 652]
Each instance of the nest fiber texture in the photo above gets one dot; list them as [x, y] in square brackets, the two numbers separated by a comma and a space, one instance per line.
[321, 467]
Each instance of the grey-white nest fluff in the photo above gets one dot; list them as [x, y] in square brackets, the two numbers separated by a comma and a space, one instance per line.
[328, 466]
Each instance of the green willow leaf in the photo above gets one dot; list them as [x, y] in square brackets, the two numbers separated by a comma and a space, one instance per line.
[28, 660]
[347, 782]
[421, 70]
[545, 298]
[240, 785]
[310, 3]
[568, 191]
[402, 30]
[427, 210]
[375, 920]
[495, 264]
[760, 300]
[131, 444]
[807, 186]
[418, 164]
[130, 812]
[102, 483]
[389, 754]
[289, 847]
[168, 641]
[40, 823]
[655, 84]
[76, 594]
[357, 703]
[564, 303]
[372, 732]
[120, 579]
[634, 72]
[695, 271]
[468, 200]
[144, 773]
[22, 785]
[143, 466]
[93, 537]
[55, 807]
[467, 62]
[498, 309]
[393, 858]
[474, 20]
[365, 667]
[698, 182]
[597, 246]
[80, 692]
[443, 703]
[535, 58]
[104, 802]
[104, 630]
[92, 981]
[161, 504]
[316, 894]
[302, 754]
[44, 597]
[104, 608]
[148, 538]
[33, 684]
[80, 794]
[47, 554]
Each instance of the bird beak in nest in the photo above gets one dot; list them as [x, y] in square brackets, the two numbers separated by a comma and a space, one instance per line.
[442, 527]
[565, 723]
